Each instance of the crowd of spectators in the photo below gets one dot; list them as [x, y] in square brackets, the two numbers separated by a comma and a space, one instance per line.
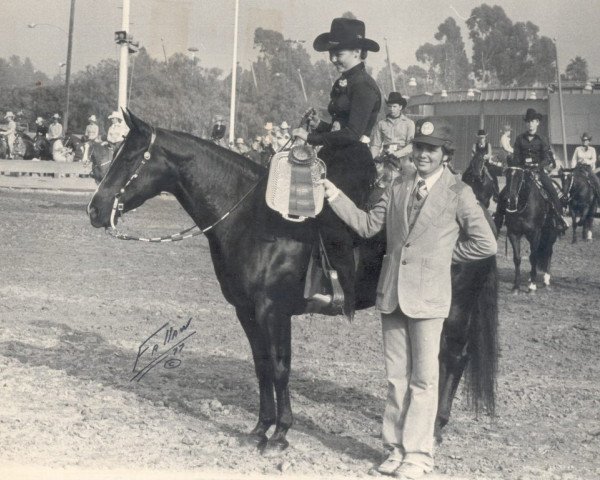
[258, 149]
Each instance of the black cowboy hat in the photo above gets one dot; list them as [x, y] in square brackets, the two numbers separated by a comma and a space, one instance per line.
[345, 33]
[396, 97]
[481, 133]
[586, 136]
[531, 114]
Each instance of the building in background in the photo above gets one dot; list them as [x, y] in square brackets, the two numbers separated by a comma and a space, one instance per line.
[470, 110]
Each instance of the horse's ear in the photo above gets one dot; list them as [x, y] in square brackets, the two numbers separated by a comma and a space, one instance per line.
[135, 123]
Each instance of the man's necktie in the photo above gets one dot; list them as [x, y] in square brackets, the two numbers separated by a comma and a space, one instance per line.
[421, 190]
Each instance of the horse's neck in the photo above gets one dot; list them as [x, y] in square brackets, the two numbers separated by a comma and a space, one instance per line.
[208, 187]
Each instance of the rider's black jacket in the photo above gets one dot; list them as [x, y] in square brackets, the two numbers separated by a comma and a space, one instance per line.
[537, 150]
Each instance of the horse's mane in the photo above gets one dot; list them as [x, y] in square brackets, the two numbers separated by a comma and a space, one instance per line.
[232, 162]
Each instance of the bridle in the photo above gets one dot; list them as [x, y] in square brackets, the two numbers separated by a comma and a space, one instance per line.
[508, 210]
[183, 234]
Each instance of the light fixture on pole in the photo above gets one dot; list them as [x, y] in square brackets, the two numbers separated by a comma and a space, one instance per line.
[470, 93]
[193, 51]
[532, 96]
[444, 94]
[412, 82]
[588, 86]
[60, 67]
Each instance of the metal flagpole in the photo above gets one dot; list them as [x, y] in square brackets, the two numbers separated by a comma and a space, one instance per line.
[124, 58]
[68, 71]
[562, 110]
[233, 75]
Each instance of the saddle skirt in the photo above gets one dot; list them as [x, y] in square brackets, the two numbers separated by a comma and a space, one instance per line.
[292, 188]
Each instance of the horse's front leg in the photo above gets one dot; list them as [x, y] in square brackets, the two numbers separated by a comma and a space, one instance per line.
[534, 255]
[278, 325]
[264, 373]
[515, 241]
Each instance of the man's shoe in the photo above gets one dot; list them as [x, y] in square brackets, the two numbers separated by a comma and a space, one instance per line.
[388, 467]
[410, 471]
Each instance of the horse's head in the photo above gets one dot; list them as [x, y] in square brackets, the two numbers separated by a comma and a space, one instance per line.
[514, 184]
[136, 174]
[477, 163]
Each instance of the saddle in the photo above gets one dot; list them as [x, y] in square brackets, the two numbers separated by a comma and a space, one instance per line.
[292, 187]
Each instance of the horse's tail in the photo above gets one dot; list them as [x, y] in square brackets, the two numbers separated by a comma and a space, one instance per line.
[483, 340]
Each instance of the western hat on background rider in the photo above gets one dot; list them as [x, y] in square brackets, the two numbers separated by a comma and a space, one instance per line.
[9, 115]
[506, 128]
[396, 97]
[532, 114]
[481, 133]
[345, 33]
[586, 136]
[93, 119]
[56, 116]
[284, 125]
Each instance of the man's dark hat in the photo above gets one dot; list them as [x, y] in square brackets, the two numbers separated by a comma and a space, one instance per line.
[586, 136]
[433, 131]
[531, 114]
[396, 97]
[481, 133]
[345, 33]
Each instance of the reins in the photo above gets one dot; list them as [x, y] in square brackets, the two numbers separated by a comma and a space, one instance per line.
[183, 234]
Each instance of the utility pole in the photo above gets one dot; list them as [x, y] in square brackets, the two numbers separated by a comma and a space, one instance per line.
[387, 52]
[234, 75]
[68, 72]
[124, 58]
[562, 110]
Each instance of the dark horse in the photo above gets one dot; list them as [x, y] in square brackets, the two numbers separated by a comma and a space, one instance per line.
[483, 180]
[23, 147]
[100, 156]
[528, 213]
[264, 280]
[581, 198]
[41, 148]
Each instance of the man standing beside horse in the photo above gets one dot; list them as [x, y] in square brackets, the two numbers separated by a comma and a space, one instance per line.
[532, 152]
[584, 157]
[432, 220]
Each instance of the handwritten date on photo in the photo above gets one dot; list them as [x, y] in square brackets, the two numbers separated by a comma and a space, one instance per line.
[163, 346]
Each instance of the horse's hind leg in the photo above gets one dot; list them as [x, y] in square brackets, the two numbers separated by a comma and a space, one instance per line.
[264, 373]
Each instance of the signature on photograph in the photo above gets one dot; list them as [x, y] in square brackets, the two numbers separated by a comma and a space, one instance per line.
[164, 347]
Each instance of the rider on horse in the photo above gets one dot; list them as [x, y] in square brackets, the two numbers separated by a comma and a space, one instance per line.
[10, 133]
[483, 148]
[117, 130]
[584, 158]
[392, 136]
[354, 106]
[532, 153]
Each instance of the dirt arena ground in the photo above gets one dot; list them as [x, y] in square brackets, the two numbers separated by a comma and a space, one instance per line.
[76, 305]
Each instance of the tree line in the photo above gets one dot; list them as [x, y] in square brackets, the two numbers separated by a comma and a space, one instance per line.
[182, 94]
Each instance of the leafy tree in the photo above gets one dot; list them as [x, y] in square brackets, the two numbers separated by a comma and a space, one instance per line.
[446, 61]
[506, 53]
[577, 70]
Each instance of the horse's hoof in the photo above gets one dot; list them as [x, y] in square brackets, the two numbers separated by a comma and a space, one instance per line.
[515, 291]
[275, 448]
[532, 289]
[254, 440]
